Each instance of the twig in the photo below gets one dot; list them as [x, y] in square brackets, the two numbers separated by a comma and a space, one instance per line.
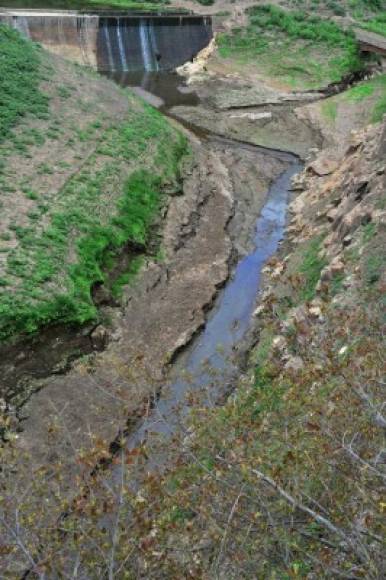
[362, 554]
[225, 535]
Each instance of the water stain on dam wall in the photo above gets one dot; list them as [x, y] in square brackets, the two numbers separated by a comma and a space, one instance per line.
[115, 42]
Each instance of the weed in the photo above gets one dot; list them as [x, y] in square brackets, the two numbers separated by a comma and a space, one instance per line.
[45, 169]
[86, 224]
[311, 267]
[127, 277]
[64, 91]
[373, 269]
[376, 24]
[30, 194]
[330, 110]
[369, 231]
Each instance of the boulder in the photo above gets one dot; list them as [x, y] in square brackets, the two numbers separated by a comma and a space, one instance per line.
[323, 166]
[99, 338]
[294, 363]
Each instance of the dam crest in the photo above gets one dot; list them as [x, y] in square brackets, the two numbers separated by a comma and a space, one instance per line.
[115, 41]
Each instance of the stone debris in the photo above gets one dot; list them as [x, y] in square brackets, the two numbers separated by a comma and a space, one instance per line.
[323, 166]
[99, 337]
[295, 364]
[252, 116]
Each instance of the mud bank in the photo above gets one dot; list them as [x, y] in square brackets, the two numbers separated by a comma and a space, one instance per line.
[273, 125]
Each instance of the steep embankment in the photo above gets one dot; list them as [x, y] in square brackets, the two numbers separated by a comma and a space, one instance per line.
[84, 167]
[286, 479]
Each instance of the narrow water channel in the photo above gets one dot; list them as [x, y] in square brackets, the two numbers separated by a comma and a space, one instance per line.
[209, 364]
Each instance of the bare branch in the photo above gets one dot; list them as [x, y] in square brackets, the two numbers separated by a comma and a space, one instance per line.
[326, 523]
[225, 535]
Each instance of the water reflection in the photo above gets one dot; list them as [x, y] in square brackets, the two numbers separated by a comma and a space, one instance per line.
[168, 87]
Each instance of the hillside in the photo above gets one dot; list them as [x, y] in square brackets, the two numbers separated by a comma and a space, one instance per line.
[287, 479]
[192, 383]
[84, 165]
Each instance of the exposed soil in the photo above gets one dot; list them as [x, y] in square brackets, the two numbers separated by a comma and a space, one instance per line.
[162, 311]
[204, 231]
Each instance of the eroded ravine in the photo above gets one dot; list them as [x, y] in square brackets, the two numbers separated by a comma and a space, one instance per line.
[205, 230]
[178, 327]
[207, 368]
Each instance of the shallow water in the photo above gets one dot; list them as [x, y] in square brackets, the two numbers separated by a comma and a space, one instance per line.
[208, 365]
[162, 90]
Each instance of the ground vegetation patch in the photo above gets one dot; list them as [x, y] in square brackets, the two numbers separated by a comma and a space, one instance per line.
[77, 186]
[298, 48]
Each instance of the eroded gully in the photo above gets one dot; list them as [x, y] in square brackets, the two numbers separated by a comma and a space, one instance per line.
[207, 360]
[207, 367]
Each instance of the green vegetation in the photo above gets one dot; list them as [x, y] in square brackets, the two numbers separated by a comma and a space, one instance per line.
[376, 24]
[72, 211]
[20, 75]
[380, 106]
[355, 8]
[127, 277]
[373, 95]
[296, 47]
[311, 267]
[41, 257]
[367, 90]
[330, 110]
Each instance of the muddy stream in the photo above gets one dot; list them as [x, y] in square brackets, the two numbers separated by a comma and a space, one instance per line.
[204, 371]
[207, 364]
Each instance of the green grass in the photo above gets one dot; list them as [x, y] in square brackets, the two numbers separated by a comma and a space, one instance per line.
[20, 75]
[311, 268]
[65, 238]
[366, 90]
[376, 24]
[380, 106]
[302, 49]
[330, 110]
[41, 258]
[126, 277]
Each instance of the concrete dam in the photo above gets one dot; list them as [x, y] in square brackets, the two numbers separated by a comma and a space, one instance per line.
[115, 42]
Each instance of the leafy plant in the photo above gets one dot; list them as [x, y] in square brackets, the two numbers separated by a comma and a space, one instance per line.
[311, 267]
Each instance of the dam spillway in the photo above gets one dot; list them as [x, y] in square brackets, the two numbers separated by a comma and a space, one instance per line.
[115, 42]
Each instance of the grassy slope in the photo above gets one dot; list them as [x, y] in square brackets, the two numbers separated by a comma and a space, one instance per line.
[376, 24]
[369, 97]
[19, 82]
[298, 49]
[354, 8]
[76, 185]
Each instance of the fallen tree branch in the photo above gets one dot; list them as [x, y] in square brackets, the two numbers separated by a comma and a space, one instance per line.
[360, 552]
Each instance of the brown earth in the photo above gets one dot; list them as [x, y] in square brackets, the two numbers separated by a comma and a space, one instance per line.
[162, 311]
